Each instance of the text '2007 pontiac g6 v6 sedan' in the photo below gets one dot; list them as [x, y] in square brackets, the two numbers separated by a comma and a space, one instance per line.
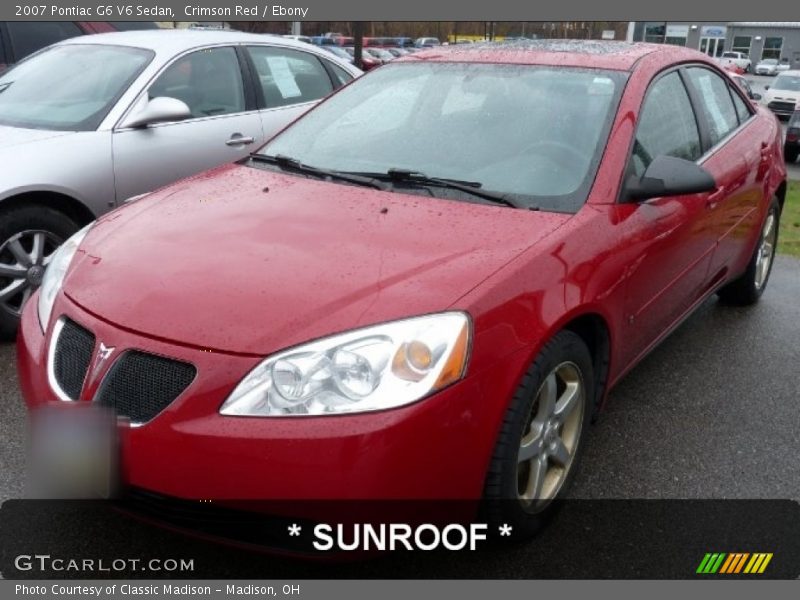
[422, 289]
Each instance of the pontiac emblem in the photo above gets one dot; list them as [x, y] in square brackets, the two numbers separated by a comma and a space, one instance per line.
[103, 354]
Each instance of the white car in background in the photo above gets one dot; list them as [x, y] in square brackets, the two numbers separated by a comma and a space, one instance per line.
[740, 59]
[89, 122]
[783, 96]
[768, 66]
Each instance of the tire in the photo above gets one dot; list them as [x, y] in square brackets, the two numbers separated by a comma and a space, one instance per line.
[564, 358]
[25, 224]
[790, 154]
[748, 288]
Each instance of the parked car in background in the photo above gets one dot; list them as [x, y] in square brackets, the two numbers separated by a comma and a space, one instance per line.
[368, 61]
[768, 66]
[783, 96]
[380, 54]
[299, 38]
[740, 59]
[424, 288]
[340, 52]
[397, 52]
[321, 40]
[426, 42]
[733, 68]
[791, 145]
[19, 39]
[94, 120]
[745, 85]
[784, 65]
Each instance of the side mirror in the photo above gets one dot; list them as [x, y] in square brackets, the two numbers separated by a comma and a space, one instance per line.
[668, 176]
[766, 87]
[755, 96]
[159, 110]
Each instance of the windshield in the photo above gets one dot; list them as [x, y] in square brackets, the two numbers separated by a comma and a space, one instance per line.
[769, 61]
[532, 132]
[68, 88]
[789, 83]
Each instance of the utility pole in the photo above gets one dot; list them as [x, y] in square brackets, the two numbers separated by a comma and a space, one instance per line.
[358, 43]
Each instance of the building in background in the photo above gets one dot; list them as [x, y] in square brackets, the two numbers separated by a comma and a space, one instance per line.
[757, 39]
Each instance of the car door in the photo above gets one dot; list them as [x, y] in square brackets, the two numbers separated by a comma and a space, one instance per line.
[738, 159]
[673, 236]
[224, 125]
[288, 83]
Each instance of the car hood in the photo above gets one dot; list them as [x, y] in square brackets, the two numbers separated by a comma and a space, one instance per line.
[15, 136]
[252, 261]
[773, 94]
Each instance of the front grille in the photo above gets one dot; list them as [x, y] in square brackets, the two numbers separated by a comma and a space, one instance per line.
[141, 385]
[780, 106]
[71, 358]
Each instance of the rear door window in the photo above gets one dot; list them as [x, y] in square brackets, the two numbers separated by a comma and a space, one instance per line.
[741, 107]
[289, 76]
[716, 102]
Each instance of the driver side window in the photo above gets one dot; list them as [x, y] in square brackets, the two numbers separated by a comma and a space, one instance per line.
[208, 81]
[667, 125]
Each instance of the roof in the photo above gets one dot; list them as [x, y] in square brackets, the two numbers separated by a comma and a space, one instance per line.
[176, 40]
[621, 56]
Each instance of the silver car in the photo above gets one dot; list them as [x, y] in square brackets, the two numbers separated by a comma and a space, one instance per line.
[93, 121]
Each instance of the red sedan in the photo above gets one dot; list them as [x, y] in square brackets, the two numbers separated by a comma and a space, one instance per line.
[434, 309]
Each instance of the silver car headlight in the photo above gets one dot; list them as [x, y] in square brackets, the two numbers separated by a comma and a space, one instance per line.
[54, 274]
[374, 368]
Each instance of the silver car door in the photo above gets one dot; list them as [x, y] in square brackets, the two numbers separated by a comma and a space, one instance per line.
[223, 127]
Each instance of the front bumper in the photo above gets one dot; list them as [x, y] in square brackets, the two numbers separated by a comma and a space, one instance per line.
[437, 448]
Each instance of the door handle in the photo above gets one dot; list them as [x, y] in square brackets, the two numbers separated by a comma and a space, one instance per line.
[237, 139]
[714, 197]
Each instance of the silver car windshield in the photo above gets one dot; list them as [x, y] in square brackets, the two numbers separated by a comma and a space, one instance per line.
[535, 133]
[68, 88]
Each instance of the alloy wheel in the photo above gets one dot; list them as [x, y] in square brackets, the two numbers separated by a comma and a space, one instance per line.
[766, 250]
[551, 437]
[23, 259]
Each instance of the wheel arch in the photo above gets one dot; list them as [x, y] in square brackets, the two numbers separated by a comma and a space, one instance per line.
[595, 332]
[61, 202]
[780, 193]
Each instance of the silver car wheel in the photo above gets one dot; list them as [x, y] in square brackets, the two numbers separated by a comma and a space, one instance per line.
[23, 259]
[551, 440]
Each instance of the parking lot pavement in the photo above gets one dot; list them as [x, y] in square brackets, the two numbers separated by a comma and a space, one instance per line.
[711, 413]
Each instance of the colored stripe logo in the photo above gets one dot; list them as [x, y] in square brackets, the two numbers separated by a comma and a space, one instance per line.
[734, 563]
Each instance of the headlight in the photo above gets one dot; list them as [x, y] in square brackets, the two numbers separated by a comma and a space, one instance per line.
[375, 368]
[54, 275]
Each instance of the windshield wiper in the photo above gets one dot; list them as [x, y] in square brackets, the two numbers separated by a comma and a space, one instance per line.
[469, 187]
[292, 164]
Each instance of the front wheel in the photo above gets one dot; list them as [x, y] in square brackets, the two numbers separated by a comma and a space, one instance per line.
[790, 154]
[540, 440]
[748, 288]
[29, 235]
